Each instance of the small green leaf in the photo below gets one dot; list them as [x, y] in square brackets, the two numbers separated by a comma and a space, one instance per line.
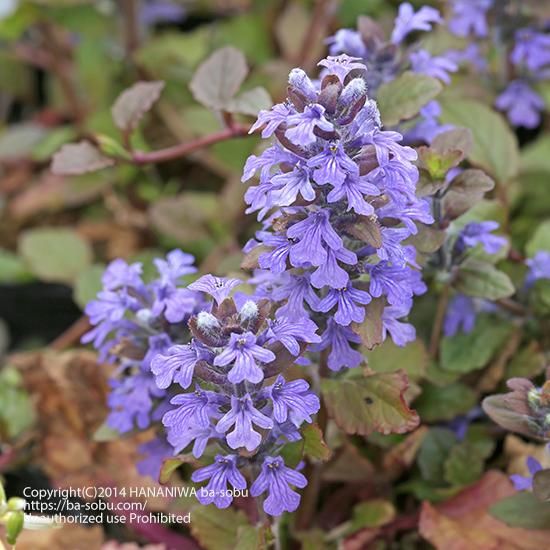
[433, 453]
[402, 98]
[12, 268]
[55, 254]
[436, 163]
[371, 514]
[88, 284]
[465, 352]
[540, 240]
[133, 103]
[495, 147]
[250, 102]
[217, 529]
[412, 358]
[444, 403]
[464, 465]
[375, 403]
[522, 510]
[79, 158]
[105, 433]
[218, 79]
[483, 280]
[14, 525]
[314, 444]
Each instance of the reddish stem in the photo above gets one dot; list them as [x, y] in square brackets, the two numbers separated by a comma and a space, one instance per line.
[183, 149]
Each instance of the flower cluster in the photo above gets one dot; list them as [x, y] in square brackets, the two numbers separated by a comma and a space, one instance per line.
[202, 367]
[337, 196]
[386, 59]
[133, 321]
[526, 55]
[229, 402]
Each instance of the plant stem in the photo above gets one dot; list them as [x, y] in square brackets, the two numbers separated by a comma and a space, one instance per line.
[314, 472]
[437, 328]
[183, 149]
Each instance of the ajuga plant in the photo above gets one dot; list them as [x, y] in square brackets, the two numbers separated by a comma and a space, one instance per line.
[388, 58]
[337, 198]
[202, 368]
[506, 42]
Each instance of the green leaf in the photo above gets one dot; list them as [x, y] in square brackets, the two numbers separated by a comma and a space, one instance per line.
[495, 147]
[17, 412]
[465, 191]
[12, 268]
[170, 465]
[314, 444]
[105, 433]
[79, 158]
[371, 514]
[483, 280]
[540, 240]
[55, 254]
[253, 537]
[464, 464]
[412, 358]
[133, 103]
[522, 510]
[217, 529]
[375, 403]
[433, 453]
[444, 403]
[437, 163]
[218, 79]
[527, 363]
[250, 102]
[88, 284]
[402, 98]
[535, 157]
[467, 352]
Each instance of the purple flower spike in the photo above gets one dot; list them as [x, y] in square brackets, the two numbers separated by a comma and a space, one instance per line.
[223, 472]
[524, 483]
[176, 265]
[119, 274]
[302, 125]
[276, 478]
[217, 287]
[532, 48]
[311, 233]
[289, 333]
[408, 21]
[243, 415]
[293, 401]
[341, 65]
[338, 339]
[243, 350]
[195, 408]
[176, 366]
[348, 301]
